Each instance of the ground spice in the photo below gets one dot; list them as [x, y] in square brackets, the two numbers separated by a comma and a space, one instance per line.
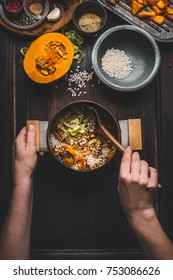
[36, 8]
[14, 6]
[90, 22]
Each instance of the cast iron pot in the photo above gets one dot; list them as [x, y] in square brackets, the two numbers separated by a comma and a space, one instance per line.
[108, 119]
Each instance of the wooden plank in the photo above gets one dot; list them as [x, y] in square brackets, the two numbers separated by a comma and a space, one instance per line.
[6, 121]
[135, 134]
[36, 124]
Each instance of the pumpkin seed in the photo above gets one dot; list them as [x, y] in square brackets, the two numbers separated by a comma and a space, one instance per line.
[52, 71]
[44, 72]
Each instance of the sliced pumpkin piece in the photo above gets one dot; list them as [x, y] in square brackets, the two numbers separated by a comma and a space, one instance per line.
[152, 2]
[159, 19]
[48, 58]
[136, 7]
[143, 2]
[169, 10]
[162, 4]
[148, 14]
[157, 10]
[69, 161]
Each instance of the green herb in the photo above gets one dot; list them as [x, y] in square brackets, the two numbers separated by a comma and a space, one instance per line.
[79, 56]
[24, 50]
[77, 42]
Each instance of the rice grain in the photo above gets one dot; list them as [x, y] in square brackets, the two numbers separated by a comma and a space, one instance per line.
[117, 64]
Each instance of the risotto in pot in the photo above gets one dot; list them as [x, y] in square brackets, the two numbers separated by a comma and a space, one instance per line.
[77, 141]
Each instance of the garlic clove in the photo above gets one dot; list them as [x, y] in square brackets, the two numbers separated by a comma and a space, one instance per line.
[54, 15]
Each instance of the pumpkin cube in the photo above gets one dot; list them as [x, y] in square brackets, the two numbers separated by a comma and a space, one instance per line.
[162, 4]
[148, 14]
[152, 2]
[169, 10]
[159, 19]
[157, 10]
[143, 2]
[136, 7]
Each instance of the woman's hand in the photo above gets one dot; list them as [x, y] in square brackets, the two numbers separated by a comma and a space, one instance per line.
[25, 156]
[137, 182]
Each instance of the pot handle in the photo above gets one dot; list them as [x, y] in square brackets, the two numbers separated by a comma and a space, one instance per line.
[131, 134]
[41, 134]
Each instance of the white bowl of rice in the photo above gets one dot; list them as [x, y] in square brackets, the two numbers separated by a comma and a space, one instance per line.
[126, 58]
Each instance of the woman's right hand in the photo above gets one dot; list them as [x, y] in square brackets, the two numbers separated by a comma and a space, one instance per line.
[137, 182]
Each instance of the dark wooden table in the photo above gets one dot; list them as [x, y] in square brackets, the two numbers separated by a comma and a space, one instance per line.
[79, 215]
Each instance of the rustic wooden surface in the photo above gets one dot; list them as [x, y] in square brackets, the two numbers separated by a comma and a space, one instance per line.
[66, 16]
[79, 215]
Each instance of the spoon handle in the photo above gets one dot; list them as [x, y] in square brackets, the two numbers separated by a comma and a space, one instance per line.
[116, 143]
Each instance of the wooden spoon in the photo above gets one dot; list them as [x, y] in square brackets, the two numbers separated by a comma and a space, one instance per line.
[106, 132]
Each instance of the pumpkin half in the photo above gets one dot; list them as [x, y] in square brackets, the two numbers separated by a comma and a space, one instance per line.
[48, 58]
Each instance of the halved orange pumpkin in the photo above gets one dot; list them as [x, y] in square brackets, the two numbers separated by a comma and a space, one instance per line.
[48, 58]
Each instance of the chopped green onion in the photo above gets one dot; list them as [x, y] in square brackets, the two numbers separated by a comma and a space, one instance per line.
[77, 42]
[79, 56]
[92, 142]
[24, 50]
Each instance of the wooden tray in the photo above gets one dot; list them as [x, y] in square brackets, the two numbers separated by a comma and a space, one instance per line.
[46, 26]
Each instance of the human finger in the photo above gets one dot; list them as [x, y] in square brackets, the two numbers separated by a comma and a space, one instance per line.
[144, 173]
[126, 161]
[20, 141]
[31, 136]
[153, 178]
[135, 165]
[22, 134]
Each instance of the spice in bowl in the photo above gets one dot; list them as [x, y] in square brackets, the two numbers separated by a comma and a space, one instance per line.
[36, 8]
[90, 22]
[14, 6]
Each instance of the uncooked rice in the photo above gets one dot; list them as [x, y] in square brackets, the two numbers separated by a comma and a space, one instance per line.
[77, 81]
[117, 64]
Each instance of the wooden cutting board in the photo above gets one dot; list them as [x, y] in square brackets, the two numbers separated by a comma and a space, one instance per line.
[66, 16]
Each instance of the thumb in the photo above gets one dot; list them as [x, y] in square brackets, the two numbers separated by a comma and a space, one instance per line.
[31, 134]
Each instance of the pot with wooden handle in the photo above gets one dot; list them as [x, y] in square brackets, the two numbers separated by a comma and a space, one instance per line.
[127, 132]
[111, 123]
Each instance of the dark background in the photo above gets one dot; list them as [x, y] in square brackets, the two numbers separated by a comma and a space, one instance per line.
[78, 216]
